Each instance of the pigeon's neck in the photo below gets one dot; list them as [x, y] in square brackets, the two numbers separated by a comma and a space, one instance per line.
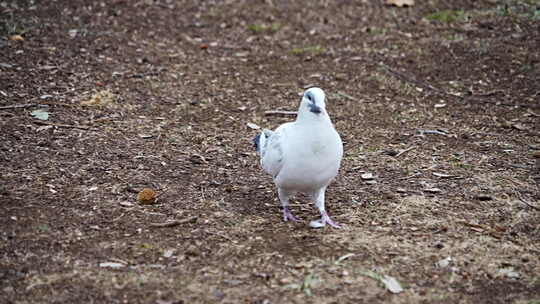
[312, 118]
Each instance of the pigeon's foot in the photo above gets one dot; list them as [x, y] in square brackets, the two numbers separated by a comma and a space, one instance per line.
[317, 224]
[329, 221]
[288, 216]
[323, 221]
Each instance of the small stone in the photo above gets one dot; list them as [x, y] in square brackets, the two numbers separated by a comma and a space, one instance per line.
[367, 176]
[147, 196]
[73, 33]
[168, 253]
[483, 197]
[253, 126]
[444, 262]
[8, 289]
[390, 152]
[341, 76]
[219, 294]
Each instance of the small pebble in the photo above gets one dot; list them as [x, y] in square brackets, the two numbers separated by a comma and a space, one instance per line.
[147, 196]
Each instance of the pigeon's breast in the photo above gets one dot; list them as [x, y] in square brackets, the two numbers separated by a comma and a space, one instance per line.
[303, 181]
[311, 165]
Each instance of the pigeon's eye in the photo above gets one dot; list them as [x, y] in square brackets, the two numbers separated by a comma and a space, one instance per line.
[309, 97]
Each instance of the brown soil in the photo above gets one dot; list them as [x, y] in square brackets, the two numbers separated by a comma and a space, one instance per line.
[158, 93]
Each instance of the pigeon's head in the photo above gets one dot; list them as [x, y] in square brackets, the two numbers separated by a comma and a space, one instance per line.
[313, 101]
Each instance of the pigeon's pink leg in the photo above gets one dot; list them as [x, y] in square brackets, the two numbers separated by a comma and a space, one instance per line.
[288, 216]
[326, 219]
[284, 198]
[319, 202]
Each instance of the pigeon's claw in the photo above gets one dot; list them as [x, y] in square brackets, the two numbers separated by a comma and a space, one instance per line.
[329, 221]
[288, 216]
[325, 219]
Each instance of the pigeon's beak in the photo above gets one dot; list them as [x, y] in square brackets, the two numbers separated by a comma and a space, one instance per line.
[313, 108]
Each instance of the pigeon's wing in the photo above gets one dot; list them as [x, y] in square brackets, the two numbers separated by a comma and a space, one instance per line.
[272, 157]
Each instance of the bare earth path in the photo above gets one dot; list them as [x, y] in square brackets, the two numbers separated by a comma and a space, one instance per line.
[440, 102]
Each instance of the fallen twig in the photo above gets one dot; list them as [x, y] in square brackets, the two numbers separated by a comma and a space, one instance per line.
[527, 203]
[40, 122]
[410, 176]
[278, 112]
[489, 93]
[222, 236]
[436, 132]
[341, 94]
[533, 113]
[18, 106]
[163, 191]
[119, 217]
[495, 231]
[173, 223]
[414, 81]
[465, 97]
[405, 151]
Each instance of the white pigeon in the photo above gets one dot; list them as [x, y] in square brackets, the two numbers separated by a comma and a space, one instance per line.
[303, 156]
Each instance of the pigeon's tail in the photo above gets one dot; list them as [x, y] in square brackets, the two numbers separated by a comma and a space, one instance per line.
[260, 140]
[257, 142]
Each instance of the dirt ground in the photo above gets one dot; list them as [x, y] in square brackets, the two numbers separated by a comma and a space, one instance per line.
[439, 101]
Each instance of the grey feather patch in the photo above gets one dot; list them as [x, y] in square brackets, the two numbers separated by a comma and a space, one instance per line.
[256, 141]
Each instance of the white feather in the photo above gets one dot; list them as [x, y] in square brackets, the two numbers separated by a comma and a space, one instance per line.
[304, 155]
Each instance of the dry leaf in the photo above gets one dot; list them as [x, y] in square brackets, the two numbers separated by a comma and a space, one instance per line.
[40, 114]
[509, 272]
[16, 38]
[400, 3]
[519, 126]
[100, 99]
[391, 284]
